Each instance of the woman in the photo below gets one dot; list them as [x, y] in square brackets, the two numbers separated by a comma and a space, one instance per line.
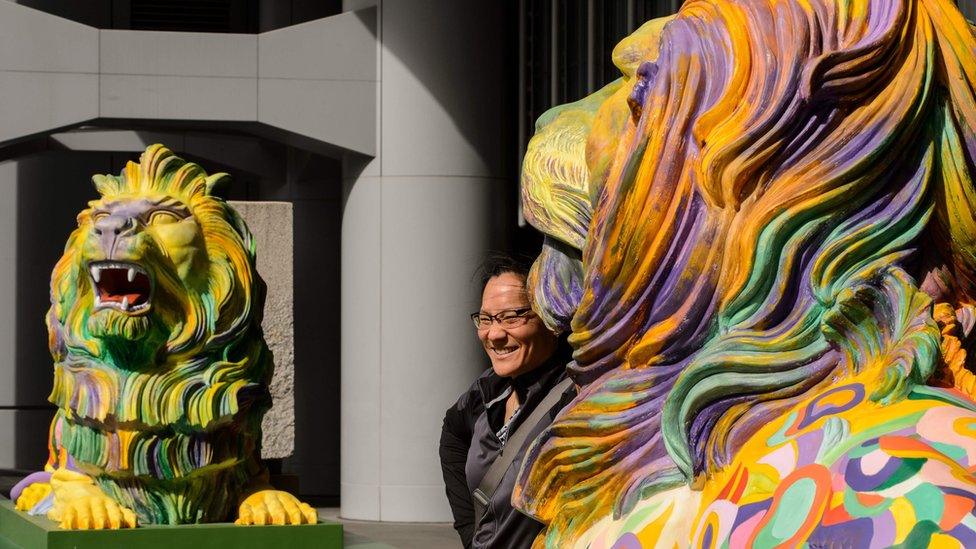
[527, 362]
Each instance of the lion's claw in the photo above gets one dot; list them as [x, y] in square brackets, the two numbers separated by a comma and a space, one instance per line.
[275, 507]
[32, 495]
[80, 505]
[96, 513]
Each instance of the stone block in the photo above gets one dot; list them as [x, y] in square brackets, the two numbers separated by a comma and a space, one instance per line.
[271, 224]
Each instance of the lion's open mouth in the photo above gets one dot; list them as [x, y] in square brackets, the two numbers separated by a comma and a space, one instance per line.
[120, 285]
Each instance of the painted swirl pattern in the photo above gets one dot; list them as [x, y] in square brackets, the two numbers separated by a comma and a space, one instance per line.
[762, 239]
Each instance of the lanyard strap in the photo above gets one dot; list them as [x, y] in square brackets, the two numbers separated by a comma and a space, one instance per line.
[516, 439]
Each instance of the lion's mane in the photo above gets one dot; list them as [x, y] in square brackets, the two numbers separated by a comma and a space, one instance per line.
[744, 218]
[147, 430]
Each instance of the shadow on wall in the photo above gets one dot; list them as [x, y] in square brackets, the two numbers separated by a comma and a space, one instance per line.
[471, 84]
[51, 189]
[312, 184]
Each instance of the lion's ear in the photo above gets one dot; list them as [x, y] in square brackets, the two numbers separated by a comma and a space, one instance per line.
[217, 182]
[106, 184]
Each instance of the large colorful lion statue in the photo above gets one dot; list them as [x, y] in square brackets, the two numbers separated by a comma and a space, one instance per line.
[161, 370]
[763, 241]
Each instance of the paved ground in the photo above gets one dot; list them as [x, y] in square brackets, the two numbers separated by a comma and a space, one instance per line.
[384, 535]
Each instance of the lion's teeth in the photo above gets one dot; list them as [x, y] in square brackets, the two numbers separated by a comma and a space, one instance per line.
[131, 275]
[96, 274]
[125, 303]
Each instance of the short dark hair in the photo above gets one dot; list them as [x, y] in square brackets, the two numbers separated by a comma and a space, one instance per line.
[500, 262]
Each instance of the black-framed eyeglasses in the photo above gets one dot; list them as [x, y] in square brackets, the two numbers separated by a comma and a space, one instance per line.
[509, 318]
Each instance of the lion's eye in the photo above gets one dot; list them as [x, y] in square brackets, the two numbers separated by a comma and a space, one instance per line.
[98, 216]
[163, 217]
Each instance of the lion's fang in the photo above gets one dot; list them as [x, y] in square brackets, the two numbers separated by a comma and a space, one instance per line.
[125, 303]
[96, 274]
[131, 275]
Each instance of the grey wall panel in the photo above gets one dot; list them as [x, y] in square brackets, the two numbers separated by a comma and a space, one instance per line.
[34, 102]
[177, 97]
[178, 53]
[341, 112]
[342, 47]
[32, 40]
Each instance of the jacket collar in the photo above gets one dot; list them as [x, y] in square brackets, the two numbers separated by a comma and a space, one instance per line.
[495, 389]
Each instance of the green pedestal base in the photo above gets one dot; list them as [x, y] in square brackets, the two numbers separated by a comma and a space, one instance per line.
[21, 530]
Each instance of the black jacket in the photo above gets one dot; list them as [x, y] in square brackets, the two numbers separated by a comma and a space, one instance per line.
[469, 445]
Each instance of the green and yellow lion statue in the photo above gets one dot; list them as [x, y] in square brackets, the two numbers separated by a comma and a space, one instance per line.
[762, 239]
[161, 370]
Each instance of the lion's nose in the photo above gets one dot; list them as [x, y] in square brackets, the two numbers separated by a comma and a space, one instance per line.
[115, 225]
[111, 229]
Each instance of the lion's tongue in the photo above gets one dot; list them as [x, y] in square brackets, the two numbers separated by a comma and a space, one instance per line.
[114, 286]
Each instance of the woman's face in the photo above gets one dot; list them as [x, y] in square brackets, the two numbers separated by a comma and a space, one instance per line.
[513, 351]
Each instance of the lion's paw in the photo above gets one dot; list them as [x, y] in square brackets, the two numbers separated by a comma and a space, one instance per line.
[32, 495]
[97, 512]
[275, 507]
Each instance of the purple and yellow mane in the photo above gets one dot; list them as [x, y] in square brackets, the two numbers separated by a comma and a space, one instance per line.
[769, 203]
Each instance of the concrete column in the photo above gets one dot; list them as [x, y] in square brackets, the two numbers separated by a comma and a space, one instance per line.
[417, 220]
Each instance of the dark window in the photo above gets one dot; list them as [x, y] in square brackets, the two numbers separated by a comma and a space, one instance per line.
[237, 16]
[189, 15]
[565, 49]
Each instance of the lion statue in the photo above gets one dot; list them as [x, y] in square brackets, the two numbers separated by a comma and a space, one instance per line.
[161, 370]
[762, 239]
